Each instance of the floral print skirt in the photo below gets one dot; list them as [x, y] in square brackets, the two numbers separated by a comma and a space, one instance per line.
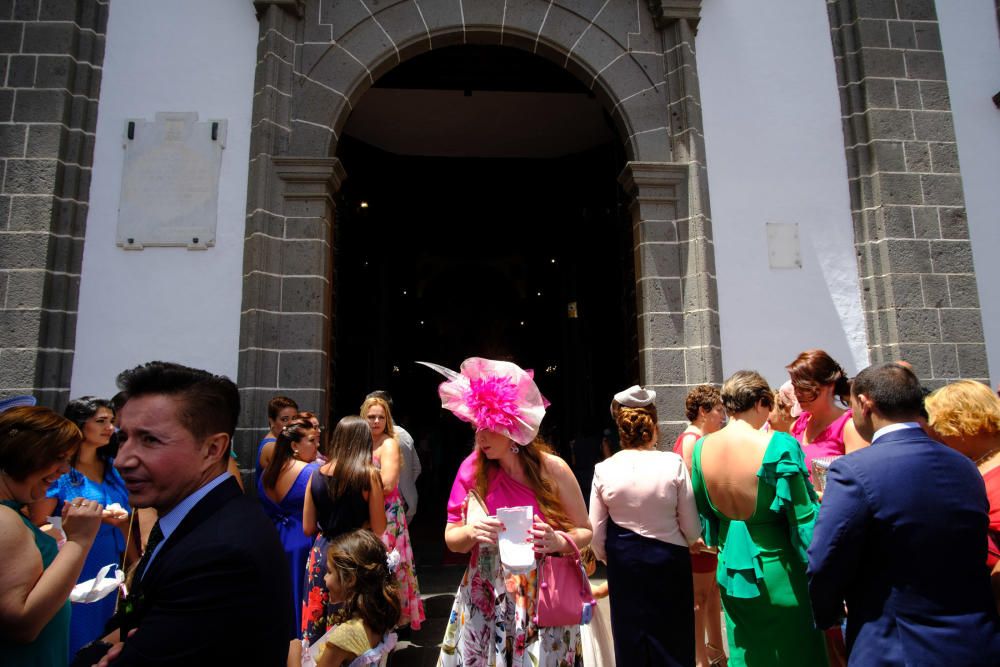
[397, 537]
[491, 622]
[317, 610]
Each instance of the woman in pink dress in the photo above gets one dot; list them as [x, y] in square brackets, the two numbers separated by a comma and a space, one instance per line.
[389, 460]
[824, 427]
[492, 621]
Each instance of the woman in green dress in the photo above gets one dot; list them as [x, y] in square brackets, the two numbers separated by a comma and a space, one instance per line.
[753, 492]
[36, 577]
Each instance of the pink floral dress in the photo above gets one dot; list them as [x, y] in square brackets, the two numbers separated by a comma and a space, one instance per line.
[397, 537]
[491, 621]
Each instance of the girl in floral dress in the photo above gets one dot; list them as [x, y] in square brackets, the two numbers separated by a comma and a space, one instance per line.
[389, 460]
[492, 622]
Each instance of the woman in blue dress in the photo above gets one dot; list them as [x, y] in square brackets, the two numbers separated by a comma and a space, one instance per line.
[282, 488]
[92, 476]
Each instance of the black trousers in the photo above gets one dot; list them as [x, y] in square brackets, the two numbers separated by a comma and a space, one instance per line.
[652, 600]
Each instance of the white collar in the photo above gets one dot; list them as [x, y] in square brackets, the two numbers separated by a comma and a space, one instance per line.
[891, 428]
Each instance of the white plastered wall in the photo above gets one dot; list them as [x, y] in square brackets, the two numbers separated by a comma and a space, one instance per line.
[775, 152]
[971, 43]
[167, 303]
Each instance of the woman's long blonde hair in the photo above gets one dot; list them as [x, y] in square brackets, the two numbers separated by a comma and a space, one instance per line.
[545, 491]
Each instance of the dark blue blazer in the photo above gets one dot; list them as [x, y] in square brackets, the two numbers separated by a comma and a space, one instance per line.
[901, 538]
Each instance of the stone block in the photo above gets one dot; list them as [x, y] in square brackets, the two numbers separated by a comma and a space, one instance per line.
[21, 71]
[65, 254]
[657, 260]
[890, 124]
[45, 141]
[658, 330]
[334, 68]
[58, 72]
[663, 366]
[882, 63]
[31, 176]
[899, 188]
[259, 368]
[963, 291]
[303, 370]
[315, 228]
[17, 370]
[4, 213]
[657, 231]
[916, 10]
[954, 223]
[928, 36]
[61, 10]
[917, 325]
[876, 9]
[406, 27]
[57, 331]
[879, 93]
[660, 295]
[304, 295]
[944, 158]
[961, 325]
[888, 155]
[927, 65]
[935, 290]
[6, 9]
[343, 16]
[972, 361]
[925, 222]
[261, 291]
[62, 291]
[267, 138]
[263, 253]
[12, 140]
[934, 95]
[916, 354]
[479, 13]
[951, 256]
[275, 42]
[369, 44]
[24, 289]
[901, 35]
[20, 328]
[944, 361]
[10, 37]
[942, 190]
[310, 139]
[906, 290]
[52, 374]
[6, 105]
[50, 38]
[561, 29]
[908, 256]
[873, 32]
[31, 214]
[42, 106]
[933, 126]
[918, 157]
[908, 94]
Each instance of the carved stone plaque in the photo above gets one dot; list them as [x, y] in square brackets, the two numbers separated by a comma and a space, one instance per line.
[170, 181]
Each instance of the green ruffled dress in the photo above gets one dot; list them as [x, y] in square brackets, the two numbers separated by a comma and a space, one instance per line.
[51, 647]
[762, 561]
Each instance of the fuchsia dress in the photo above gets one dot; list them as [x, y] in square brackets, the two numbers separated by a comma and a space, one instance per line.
[828, 443]
[491, 620]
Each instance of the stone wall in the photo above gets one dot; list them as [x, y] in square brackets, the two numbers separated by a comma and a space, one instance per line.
[51, 53]
[912, 236]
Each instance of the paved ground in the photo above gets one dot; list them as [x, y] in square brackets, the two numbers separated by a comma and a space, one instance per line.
[437, 586]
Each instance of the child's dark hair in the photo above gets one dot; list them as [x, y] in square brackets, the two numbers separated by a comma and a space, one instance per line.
[358, 559]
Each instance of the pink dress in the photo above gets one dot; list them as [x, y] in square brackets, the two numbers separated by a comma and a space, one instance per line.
[828, 443]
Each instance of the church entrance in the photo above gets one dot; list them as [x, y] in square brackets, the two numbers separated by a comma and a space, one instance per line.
[482, 216]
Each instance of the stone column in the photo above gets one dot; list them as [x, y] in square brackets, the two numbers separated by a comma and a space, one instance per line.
[285, 328]
[911, 233]
[50, 77]
[677, 323]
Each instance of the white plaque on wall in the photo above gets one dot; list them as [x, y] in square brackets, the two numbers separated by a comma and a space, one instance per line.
[170, 181]
[783, 251]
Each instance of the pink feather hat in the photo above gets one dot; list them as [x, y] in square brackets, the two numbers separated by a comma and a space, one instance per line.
[496, 396]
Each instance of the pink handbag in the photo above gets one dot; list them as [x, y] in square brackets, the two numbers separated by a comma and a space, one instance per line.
[564, 596]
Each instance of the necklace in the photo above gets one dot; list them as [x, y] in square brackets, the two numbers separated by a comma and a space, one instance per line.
[985, 457]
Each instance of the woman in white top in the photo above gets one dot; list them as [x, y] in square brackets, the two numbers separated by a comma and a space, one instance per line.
[645, 523]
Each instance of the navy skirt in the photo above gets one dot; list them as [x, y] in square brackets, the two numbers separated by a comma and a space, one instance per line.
[652, 600]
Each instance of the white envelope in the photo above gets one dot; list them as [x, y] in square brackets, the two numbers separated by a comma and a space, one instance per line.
[99, 587]
[517, 552]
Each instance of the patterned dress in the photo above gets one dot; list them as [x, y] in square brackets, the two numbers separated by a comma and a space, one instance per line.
[397, 537]
[491, 621]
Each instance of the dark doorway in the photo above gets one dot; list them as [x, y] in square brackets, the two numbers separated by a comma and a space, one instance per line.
[503, 236]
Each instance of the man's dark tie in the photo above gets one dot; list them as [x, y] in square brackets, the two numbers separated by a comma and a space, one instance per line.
[155, 537]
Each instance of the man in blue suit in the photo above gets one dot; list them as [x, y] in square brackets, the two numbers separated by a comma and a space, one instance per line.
[901, 538]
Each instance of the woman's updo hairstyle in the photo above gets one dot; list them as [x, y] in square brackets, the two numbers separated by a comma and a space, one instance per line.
[814, 369]
[636, 426]
[745, 389]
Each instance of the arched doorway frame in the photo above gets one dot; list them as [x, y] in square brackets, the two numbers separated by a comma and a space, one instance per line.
[316, 58]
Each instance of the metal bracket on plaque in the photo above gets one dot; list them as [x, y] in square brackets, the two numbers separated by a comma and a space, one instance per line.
[170, 181]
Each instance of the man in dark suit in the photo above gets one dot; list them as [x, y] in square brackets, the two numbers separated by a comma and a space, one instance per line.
[901, 537]
[212, 586]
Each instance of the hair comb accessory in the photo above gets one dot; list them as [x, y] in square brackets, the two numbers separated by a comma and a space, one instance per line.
[635, 397]
[496, 396]
[17, 402]
[392, 561]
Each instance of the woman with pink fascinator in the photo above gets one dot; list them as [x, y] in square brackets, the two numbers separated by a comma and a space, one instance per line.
[492, 622]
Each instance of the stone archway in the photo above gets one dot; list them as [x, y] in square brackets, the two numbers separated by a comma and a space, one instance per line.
[316, 58]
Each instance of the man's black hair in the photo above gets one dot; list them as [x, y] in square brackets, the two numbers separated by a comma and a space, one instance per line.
[893, 388]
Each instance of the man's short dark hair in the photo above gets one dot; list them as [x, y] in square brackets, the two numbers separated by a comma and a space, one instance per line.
[893, 388]
[208, 403]
[383, 394]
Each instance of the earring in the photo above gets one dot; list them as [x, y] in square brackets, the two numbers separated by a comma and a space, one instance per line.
[514, 449]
